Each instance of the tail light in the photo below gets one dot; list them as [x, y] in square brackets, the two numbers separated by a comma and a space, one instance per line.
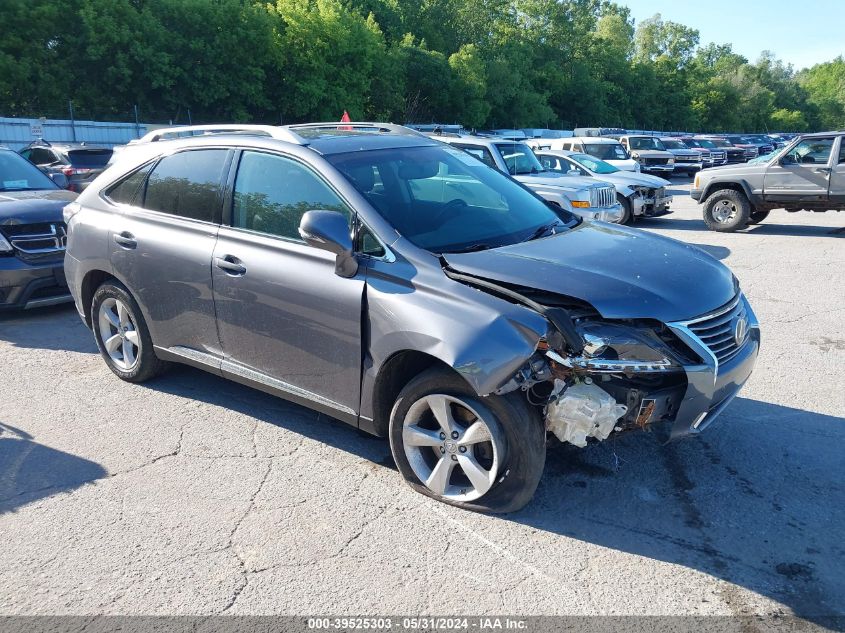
[75, 171]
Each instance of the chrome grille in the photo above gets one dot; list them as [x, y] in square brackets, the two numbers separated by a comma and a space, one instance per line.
[718, 330]
[602, 196]
[37, 239]
[718, 155]
[686, 159]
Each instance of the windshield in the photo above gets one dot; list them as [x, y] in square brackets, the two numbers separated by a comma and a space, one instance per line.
[519, 158]
[703, 143]
[645, 142]
[18, 174]
[606, 151]
[673, 144]
[717, 142]
[593, 164]
[444, 200]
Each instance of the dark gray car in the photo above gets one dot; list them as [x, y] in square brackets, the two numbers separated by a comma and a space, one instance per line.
[400, 285]
[81, 163]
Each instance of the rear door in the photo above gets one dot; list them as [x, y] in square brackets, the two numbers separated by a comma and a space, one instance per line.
[163, 242]
[286, 320]
[803, 174]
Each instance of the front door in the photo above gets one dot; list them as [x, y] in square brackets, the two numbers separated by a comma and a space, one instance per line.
[286, 320]
[801, 175]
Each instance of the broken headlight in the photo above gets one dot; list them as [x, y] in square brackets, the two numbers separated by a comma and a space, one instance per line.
[613, 349]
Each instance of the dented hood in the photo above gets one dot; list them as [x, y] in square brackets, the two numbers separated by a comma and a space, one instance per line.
[624, 273]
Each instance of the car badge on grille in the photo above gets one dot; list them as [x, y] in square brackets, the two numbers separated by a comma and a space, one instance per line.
[740, 329]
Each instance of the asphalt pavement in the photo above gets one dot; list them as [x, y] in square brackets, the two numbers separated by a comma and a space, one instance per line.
[193, 495]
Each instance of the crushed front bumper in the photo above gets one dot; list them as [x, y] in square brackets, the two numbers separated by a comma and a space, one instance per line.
[711, 386]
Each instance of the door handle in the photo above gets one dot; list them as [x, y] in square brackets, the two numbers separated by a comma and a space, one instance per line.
[822, 170]
[126, 239]
[230, 264]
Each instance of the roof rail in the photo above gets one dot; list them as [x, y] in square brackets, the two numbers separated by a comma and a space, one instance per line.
[363, 126]
[273, 131]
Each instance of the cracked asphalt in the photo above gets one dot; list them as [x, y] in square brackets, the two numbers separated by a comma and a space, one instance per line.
[193, 495]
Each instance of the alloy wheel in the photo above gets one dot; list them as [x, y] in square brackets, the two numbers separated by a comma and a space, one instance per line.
[455, 451]
[724, 211]
[119, 334]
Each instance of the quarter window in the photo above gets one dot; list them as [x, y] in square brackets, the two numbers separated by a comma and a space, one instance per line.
[272, 193]
[129, 189]
[188, 184]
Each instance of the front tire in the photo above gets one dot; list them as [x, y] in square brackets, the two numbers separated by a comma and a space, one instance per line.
[628, 212]
[122, 335]
[727, 210]
[483, 454]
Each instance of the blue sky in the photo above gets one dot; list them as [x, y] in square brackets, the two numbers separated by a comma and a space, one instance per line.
[800, 32]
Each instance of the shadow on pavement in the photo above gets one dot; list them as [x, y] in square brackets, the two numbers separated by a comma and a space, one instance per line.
[30, 471]
[758, 500]
[766, 228]
[55, 327]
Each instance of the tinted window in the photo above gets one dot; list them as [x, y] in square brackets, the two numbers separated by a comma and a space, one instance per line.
[842, 151]
[481, 153]
[127, 190]
[41, 156]
[90, 158]
[606, 151]
[272, 194]
[187, 184]
[519, 158]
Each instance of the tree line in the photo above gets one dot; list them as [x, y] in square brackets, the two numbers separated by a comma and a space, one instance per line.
[483, 63]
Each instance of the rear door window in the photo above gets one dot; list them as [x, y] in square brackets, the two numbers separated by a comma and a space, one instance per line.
[188, 184]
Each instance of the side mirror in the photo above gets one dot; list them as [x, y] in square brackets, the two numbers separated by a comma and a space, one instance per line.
[574, 172]
[59, 178]
[329, 231]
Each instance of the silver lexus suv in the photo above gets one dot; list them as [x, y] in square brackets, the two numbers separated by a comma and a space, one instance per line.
[402, 286]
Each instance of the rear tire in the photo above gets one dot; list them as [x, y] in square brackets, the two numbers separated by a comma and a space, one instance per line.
[758, 216]
[727, 210]
[122, 335]
[509, 444]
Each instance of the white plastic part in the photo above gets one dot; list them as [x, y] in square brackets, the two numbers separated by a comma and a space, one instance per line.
[581, 411]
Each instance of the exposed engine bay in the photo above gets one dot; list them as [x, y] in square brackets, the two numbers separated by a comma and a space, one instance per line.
[591, 377]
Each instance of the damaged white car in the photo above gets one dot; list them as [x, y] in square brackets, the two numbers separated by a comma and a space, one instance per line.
[397, 284]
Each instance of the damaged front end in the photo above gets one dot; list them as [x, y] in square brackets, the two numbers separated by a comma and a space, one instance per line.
[593, 377]
[626, 377]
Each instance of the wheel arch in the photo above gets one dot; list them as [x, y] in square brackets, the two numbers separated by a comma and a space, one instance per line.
[396, 372]
[92, 280]
[736, 185]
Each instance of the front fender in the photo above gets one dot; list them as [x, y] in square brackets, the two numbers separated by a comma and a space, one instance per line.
[483, 338]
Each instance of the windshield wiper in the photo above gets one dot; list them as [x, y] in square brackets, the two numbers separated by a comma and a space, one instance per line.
[542, 230]
[472, 248]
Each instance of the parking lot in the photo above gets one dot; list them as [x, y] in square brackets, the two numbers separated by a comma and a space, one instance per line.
[193, 495]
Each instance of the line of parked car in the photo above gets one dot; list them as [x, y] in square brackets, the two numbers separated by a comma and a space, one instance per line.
[438, 289]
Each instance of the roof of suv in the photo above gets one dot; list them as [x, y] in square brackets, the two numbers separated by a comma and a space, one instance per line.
[324, 138]
[63, 146]
[594, 139]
